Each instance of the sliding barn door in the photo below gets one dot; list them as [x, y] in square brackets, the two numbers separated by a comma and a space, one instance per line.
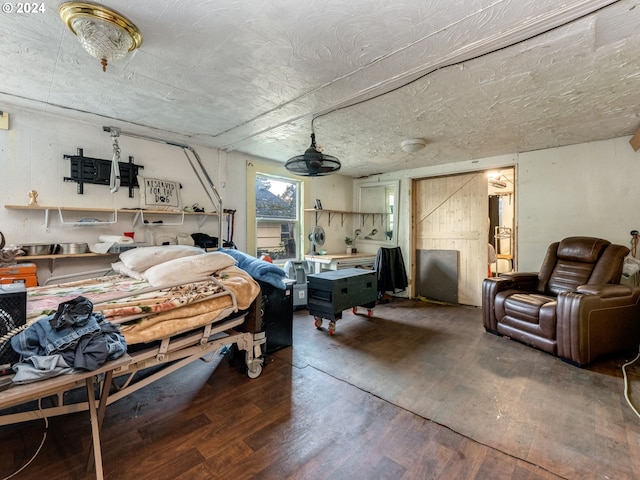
[451, 214]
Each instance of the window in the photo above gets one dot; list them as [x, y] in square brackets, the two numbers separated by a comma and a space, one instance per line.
[277, 218]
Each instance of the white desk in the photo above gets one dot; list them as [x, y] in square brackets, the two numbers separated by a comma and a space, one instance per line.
[335, 261]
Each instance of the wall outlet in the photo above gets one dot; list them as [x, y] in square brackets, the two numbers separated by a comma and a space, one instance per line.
[4, 120]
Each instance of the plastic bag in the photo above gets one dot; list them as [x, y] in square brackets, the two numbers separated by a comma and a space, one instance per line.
[75, 312]
[631, 267]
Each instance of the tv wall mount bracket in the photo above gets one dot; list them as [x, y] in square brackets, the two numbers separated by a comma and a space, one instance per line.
[98, 172]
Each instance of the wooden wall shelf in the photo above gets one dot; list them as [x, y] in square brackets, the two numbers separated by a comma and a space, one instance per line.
[343, 213]
[138, 215]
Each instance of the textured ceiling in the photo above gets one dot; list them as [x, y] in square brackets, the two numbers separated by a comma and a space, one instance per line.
[474, 78]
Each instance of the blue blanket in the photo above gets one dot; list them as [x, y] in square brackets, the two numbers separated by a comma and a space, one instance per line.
[258, 269]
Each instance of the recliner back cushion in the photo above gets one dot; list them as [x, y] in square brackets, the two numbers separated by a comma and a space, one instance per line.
[609, 266]
[567, 276]
[575, 260]
[581, 249]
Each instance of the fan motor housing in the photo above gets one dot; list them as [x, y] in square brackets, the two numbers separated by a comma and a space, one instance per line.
[313, 163]
[316, 237]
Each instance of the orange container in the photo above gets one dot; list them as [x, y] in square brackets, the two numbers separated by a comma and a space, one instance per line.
[21, 272]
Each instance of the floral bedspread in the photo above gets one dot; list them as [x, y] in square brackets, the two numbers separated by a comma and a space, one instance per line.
[123, 300]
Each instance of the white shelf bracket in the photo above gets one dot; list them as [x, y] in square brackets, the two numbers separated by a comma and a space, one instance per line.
[84, 224]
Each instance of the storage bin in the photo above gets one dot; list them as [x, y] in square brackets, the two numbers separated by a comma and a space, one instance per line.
[331, 292]
[20, 273]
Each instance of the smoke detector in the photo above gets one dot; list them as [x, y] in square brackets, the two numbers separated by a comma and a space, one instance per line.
[413, 145]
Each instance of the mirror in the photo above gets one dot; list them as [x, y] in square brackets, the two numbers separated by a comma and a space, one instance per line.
[377, 213]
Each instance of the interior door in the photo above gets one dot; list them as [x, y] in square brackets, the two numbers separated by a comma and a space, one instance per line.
[450, 213]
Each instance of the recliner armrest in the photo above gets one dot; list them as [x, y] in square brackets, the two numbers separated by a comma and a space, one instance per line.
[494, 285]
[517, 275]
[597, 319]
[606, 291]
[520, 280]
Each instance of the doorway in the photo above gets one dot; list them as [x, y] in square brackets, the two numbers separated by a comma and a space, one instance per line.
[501, 221]
[452, 229]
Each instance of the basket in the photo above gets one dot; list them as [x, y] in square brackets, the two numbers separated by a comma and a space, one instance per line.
[13, 317]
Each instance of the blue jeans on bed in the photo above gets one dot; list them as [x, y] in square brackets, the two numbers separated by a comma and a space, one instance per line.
[42, 339]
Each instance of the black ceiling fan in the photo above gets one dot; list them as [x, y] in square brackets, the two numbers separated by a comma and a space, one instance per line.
[313, 163]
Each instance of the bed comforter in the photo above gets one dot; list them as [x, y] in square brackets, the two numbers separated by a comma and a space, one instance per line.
[146, 313]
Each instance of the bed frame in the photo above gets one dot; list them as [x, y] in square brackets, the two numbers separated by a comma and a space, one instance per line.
[171, 354]
[122, 377]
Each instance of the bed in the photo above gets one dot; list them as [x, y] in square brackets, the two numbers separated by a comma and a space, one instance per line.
[173, 306]
[162, 295]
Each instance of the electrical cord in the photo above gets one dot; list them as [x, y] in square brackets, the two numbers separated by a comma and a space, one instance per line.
[402, 85]
[33, 457]
[626, 383]
[460, 62]
[11, 333]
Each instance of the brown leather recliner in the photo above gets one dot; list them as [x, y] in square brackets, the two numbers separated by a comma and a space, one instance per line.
[575, 307]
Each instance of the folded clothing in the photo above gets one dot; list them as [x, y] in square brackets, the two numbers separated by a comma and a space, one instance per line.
[73, 338]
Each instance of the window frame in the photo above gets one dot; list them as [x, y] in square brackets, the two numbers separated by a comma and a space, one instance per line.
[297, 221]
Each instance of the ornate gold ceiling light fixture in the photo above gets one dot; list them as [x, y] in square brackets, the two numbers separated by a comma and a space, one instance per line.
[105, 34]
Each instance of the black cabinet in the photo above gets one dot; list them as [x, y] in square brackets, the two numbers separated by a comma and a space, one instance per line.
[331, 292]
[13, 314]
[277, 315]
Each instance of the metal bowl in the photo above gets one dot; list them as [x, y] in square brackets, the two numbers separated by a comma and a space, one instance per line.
[30, 249]
[72, 248]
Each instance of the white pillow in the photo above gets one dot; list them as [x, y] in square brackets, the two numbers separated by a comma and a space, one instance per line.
[141, 258]
[182, 270]
[122, 269]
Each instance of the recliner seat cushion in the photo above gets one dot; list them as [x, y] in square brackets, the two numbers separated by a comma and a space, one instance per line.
[531, 313]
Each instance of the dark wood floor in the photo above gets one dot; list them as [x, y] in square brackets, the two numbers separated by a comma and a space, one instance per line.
[208, 421]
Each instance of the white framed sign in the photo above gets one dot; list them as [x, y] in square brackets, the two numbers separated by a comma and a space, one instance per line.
[159, 194]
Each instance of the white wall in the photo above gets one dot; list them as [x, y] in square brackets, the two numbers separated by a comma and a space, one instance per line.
[589, 189]
[334, 191]
[32, 157]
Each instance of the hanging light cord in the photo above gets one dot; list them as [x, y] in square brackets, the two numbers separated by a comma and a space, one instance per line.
[114, 181]
[460, 62]
[634, 250]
